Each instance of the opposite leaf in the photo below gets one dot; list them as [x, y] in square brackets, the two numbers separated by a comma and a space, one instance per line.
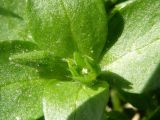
[74, 101]
[47, 64]
[10, 72]
[136, 54]
[65, 26]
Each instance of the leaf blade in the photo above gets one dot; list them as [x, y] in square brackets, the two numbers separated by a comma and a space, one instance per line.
[74, 102]
[22, 100]
[135, 56]
[68, 25]
[12, 20]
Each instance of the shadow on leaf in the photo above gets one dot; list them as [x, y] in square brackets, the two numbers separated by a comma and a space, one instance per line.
[115, 80]
[92, 109]
[115, 29]
[41, 118]
[7, 13]
[47, 64]
[10, 47]
[154, 82]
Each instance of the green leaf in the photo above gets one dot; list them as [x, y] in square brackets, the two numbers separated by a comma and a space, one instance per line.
[22, 100]
[20, 97]
[67, 26]
[136, 54]
[10, 72]
[16, 6]
[74, 101]
[47, 64]
[12, 23]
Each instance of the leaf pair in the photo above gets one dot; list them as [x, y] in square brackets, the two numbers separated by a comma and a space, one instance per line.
[29, 89]
[60, 28]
